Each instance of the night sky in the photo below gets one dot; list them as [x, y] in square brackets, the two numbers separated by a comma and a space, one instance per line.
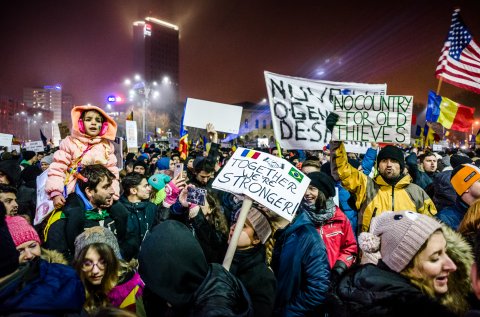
[225, 45]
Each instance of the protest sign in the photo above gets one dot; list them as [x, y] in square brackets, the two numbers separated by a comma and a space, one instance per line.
[5, 139]
[367, 118]
[299, 108]
[225, 118]
[437, 147]
[131, 132]
[44, 204]
[118, 146]
[35, 146]
[267, 179]
[356, 147]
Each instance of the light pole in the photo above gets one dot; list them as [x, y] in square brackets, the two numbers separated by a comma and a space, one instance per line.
[146, 89]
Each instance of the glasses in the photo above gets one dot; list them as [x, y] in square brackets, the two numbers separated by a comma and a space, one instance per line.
[89, 265]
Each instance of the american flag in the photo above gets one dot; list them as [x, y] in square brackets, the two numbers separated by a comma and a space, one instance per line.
[459, 63]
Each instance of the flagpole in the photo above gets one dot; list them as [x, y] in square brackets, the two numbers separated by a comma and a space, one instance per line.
[439, 85]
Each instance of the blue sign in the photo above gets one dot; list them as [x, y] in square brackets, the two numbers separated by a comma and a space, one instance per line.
[111, 99]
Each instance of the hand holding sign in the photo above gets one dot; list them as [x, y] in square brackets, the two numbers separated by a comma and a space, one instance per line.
[212, 133]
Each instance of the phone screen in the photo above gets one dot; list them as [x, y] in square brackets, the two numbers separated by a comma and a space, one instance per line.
[178, 169]
[196, 196]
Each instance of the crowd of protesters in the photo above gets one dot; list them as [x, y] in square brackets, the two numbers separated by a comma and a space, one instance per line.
[392, 232]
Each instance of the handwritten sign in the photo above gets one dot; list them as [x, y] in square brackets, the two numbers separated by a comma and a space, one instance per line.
[299, 108]
[35, 146]
[385, 119]
[267, 179]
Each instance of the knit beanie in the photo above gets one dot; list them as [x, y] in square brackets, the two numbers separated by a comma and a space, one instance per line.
[21, 230]
[8, 253]
[163, 163]
[392, 152]
[402, 234]
[47, 159]
[97, 235]
[28, 155]
[260, 224]
[323, 182]
[140, 163]
[158, 181]
[457, 160]
[463, 177]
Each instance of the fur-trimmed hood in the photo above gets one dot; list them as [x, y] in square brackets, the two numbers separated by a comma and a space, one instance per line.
[53, 256]
[77, 113]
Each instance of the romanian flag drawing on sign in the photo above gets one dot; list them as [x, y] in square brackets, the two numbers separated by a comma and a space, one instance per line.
[296, 174]
[448, 113]
[250, 154]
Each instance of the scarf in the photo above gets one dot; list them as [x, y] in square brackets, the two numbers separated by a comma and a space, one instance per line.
[95, 215]
[318, 217]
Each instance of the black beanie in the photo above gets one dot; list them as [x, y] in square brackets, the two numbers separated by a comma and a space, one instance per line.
[457, 160]
[392, 152]
[323, 182]
[28, 155]
[8, 253]
[140, 163]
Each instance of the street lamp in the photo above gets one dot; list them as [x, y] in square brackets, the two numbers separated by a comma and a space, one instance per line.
[144, 88]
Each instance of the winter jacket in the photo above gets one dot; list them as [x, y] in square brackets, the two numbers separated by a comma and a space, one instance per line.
[101, 152]
[142, 216]
[127, 294]
[250, 267]
[62, 233]
[345, 199]
[371, 290]
[443, 193]
[453, 215]
[339, 239]
[300, 264]
[39, 288]
[374, 196]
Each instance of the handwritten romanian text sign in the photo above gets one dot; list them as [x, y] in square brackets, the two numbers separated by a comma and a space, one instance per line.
[267, 179]
[299, 108]
[363, 118]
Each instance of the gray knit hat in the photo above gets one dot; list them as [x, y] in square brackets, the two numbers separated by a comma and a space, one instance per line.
[97, 235]
[47, 159]
[402, 234]
[260, 224]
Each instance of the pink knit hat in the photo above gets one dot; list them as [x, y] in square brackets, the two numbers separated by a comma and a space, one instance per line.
[21, 231]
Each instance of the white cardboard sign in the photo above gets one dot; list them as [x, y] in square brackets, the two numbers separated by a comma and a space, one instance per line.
[225, 118]
[299, 108]
[35, 146]
[267, 179]
[44, 204]
[5, 139]
[367, 118]
[131, 132]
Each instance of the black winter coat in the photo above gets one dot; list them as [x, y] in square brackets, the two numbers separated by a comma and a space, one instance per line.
[371, 290]
[142, 216]
[250, 267]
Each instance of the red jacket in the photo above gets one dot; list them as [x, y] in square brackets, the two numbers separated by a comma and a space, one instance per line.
[337, 234]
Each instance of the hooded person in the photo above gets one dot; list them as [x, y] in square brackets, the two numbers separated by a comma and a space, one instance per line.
[183, 283]
[419, 268]
[391, 189]
[91, 142]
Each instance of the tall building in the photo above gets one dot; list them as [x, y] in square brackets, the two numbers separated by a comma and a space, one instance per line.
[156, 50]
[47, 98]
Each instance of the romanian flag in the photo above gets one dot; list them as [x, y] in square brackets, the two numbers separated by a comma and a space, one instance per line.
[130, 116]
[448, 113]
[250, 154]
[183, 147]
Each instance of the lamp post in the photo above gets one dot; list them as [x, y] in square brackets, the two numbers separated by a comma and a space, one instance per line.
[148, 91]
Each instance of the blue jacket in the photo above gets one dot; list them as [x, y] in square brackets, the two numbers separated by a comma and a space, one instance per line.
[344, 195]
[302, 270]
[453, 215]
[51, 290]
